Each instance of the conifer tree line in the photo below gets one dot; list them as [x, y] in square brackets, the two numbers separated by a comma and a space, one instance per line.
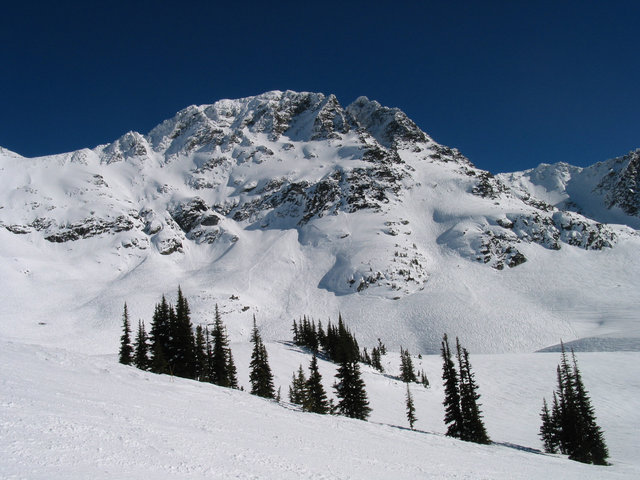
[309, 393]
[174, 347]
[375, 359]
[337, 342]
[349, 388]
[462, 410]
[570, 426]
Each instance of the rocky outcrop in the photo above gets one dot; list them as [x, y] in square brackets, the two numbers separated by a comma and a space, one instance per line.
[621, 186]
[90, 228]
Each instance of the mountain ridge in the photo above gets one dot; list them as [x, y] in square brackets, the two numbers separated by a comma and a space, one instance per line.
[367, 207]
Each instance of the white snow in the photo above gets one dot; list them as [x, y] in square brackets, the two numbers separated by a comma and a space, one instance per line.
[73, 416]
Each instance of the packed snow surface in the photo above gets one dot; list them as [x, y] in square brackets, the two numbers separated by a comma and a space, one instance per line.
[73, 416]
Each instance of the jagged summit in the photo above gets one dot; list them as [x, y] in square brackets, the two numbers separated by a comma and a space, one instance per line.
[296, 204]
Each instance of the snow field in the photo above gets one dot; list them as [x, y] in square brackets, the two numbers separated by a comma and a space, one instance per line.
[68, 415]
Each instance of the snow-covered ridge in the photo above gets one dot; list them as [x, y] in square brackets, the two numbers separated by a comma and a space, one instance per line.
[607, 191]
[298, 205]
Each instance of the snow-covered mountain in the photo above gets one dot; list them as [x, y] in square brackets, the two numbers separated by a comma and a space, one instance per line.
[607, 191]
[288, 203]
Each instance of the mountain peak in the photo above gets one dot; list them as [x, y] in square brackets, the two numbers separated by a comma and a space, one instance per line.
[291, 195]
[388, 126]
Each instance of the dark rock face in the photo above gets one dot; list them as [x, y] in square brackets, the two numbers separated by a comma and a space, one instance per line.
[622, 184]
[90, 228]
[188, 214]
[488, 186]
[389, 126]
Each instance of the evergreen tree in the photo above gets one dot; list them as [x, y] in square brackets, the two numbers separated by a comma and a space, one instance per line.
[298, 388]
[572, 425]
[423, 379]
[126, 350]
[232, 371]
[348, 350]
[407, 373]
[316, 397]
[351, 393]
[296, 333]
[365, 358]
[376, 359]
[569, 421]
[208, 341]
[260, 375]
[183, 360]
[548, 430]
[411, 409]
[556, 415]
[170, 350]
[473, 429]
[321, 335]
[220, 365]
[453, 414]
[141, 348]
[591, 445]
[382, 347]
[160, 337]
[200, 356]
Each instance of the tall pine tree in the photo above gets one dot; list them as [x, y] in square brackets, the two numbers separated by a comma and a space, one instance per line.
[407, 373]
[160, 337]
[316, 397]
[260, 375]
[453, 414]
[182, 341]
[591, 445]
[376, 359]
[351, 392]
[571, 426]
[200, 356]
[548, 432]
[411, 409]
[126, 350]
[141, 348]
[222, 368]
[298, 388]
[473, 429]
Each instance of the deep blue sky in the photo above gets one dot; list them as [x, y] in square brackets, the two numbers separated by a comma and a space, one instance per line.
[511, 84]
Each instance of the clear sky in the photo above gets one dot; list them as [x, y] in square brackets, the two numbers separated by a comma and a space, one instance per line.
[510, 83]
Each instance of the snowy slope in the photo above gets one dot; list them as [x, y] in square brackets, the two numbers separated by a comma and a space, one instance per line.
[295, 205]
[66, 415]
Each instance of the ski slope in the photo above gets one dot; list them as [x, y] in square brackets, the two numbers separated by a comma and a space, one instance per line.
[66, 415]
